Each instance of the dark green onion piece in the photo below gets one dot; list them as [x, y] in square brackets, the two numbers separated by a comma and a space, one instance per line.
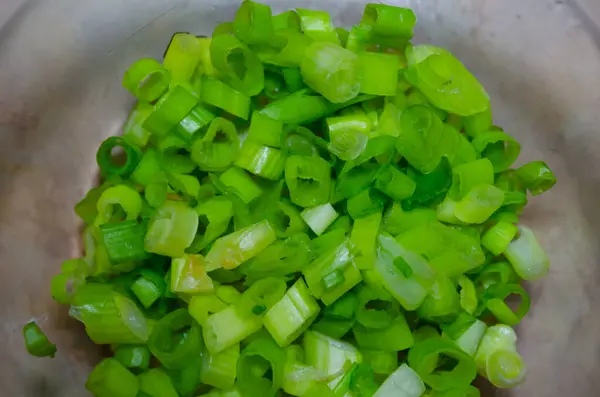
[147, 79]
[175, 339]
[109, 165]
[156, 383]
[148, 287]
[37, 342]
[308, 180]
[111, 379]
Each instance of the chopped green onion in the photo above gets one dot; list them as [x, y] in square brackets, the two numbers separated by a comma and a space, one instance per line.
[215, 216]
[348, 136]
[170, 109]
[498, 237]
[442, 302]
[241, 184]
[232, 250]
[389, 21]
[128, 199]
[106, 161]
[382, 363]
[467, 176]
[317, 25]
[501, 149]
[72, 277]
[156, 383]
[479, 204]
[124, 241]
[253, 23]
[366, 203]
[527, 256]
[496, 338]
[493, 300]
[243, 70]
[108, 316]
[470, 339]
[468, 294]
[261, 355]
[536, 176]
[188, 275]
[261, 160]
[397, 221]
[505, 369]
[196, 119]
[220, 370]
[172, 229]
[175, 339]
[286, 220]
[201, 306]
[364, 236]
[148, 169]
[333, 279]
[292, 315]
[378, 73]
[147, 79]
[376, 318]
[37, 342]
[394, 183]
[222, 96]
[421, 359]
[319, 218]
[111, 379]
[218, 148]
[182, 56]
[148, 288]
[265, 131]
[395, 337]
[331, 71]
[478, 123]
[404, 382]
[308, 180]
[134, 357]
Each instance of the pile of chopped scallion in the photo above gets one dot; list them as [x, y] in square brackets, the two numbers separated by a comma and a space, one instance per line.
[304, 210]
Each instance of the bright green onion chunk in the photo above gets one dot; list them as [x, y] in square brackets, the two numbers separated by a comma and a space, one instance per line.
[442, 302]
[147, 79]
[253, 23]
[222, 96]
[170, 109]
[394, 183]
[134, 357]
[335, 258]
[288, 50]
[404, 382]
[505, 369]
[109, 317]
[197, 118]
[496, 338]
[287, 20]
[496, 273]
[479, 204]
[156, 383]
[365, 203]
[320, 217]
[120, 195]
[187, 380]
[265, 131]
[220, 370]
[395, 337]
[242, 68]
[498, 237]
[389, 21]
[262, 355]
[182, 56]
[286, 219]
[188, 275]
[501, 149]
[202, 306]
[493, 299]
[426, 358]
[214, 218]
[106, 161]
[378, 73]
[468, 294]
[536, 176]
[348, 135]
[172, 229]
[331, 71]
[149, 168]
[241, 184]
[148, 287]
[111, 379]
[218, 148]
[465, 391]
[298, 377]
[445, 81]
[527, 256]
[261, 160]
[175, 339]
[471, 338]
[467, 176]
[317, 25]
[232, 250]
[37, 342]
[292, 315]
[397, 221]
[308, 180]
[364, 235]
[124, 241]
[382, 363]
[404, 274]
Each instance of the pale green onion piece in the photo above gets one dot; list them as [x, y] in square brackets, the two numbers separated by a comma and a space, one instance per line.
[404, 382]
[220, 370]
[182, 56]
[317, 25]
[527, 256]
[470, 339]
[122, 195]
[497, 337]
[292, 315]
[498, 237]
[479, 204]
[364, 237]
[172, 229]
[236, 248]
[188, 275]
[228, 327]
[505, 369]
[319, 218]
